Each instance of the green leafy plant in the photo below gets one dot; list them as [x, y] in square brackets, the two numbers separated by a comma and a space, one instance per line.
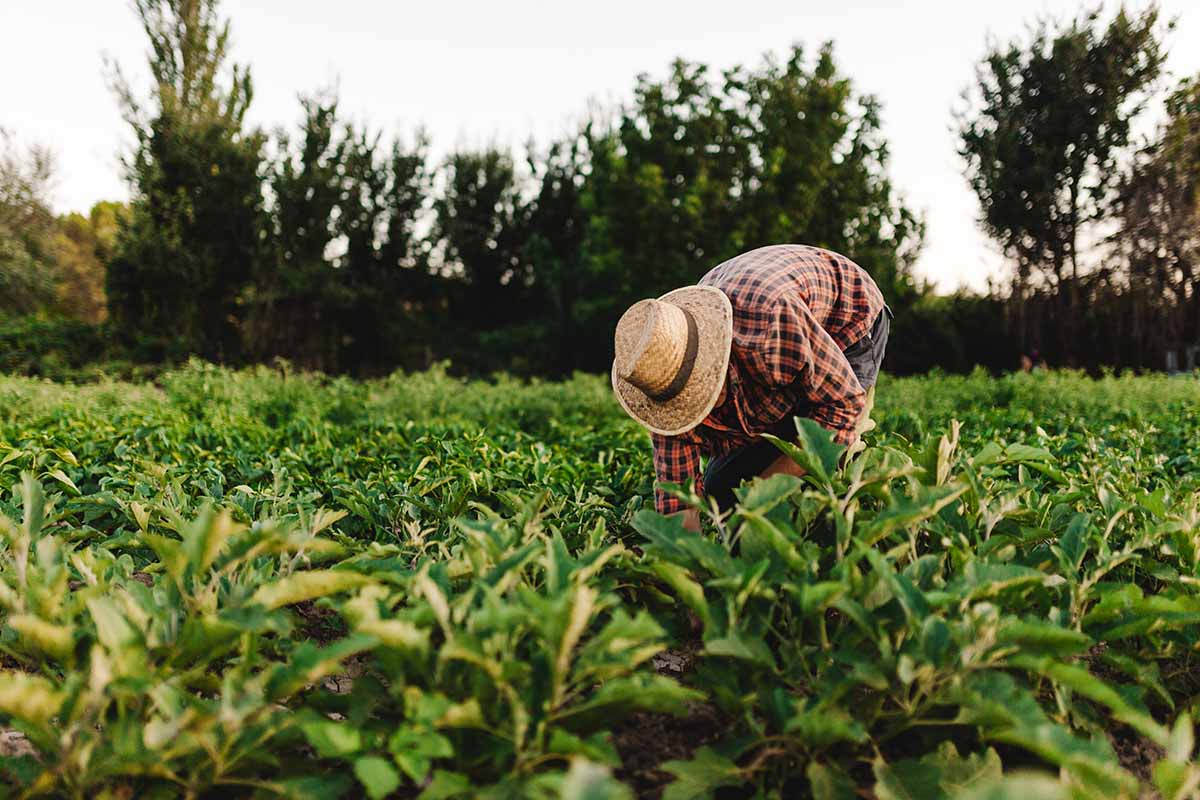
[276, 584]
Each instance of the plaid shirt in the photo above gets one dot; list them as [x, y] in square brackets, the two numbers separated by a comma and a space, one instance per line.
[795, 309]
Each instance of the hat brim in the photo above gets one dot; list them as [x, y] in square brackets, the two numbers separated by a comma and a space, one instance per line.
[714, 324]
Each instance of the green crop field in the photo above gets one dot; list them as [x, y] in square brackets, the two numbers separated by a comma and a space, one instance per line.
[236, 584]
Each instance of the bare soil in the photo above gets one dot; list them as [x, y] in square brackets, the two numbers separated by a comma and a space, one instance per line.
[646, 741]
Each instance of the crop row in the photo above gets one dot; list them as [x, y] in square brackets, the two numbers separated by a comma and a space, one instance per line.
[272, 584]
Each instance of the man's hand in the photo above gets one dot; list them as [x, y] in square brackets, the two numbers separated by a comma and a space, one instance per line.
[782, 464]
[691, 519]
[864, 424]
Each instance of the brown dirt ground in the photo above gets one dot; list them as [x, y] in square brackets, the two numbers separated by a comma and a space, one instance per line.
[646, 741]
[14, 743]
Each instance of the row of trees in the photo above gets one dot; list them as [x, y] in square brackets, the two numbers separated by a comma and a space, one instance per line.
[1104, 235]
[338, 250]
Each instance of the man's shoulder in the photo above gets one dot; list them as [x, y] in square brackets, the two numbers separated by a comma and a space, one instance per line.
[766, 271]
[761, 275]
[758, 258]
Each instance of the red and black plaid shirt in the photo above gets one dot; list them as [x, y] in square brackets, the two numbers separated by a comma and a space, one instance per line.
[795, 309]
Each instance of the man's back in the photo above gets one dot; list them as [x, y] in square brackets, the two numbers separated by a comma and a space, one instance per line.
[839, 294]
[795, 309]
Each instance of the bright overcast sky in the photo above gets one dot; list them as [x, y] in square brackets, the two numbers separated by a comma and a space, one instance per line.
[478, 72]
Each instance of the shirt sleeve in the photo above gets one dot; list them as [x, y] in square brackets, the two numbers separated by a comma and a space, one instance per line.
[676, 460]
[797, 353]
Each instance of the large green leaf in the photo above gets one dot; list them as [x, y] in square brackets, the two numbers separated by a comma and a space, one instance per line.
[908, 780]
[820, 727]
[1021, 786]
[905, 511]
[415, 749]
[959, 774]
[814, 450]
[331, 739]
[910, 598]
[29, 698]
[670, 541]
[377, 776]
[588, 781]
[1008, 713]
[699, 777]
[943, 774]
[1080, 680]
[56, 641]
[830, 783]
[617, 697]
[762, 495]
[308, 585]
[1038, 636]
[445, 785]
[741, 645]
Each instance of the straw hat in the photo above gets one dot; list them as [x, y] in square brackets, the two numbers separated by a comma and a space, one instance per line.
[671, 358]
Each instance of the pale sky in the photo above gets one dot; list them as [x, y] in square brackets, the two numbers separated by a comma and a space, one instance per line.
[478, 72]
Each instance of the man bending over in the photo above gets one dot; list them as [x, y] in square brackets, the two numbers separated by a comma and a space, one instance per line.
[780, 332]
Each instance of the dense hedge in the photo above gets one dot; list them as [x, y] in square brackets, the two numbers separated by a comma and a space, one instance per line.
[953, 334]
[71, 350]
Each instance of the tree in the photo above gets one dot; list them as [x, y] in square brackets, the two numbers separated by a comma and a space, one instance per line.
[345, 285]
[384, 270]
[188, 249]
[1157, 246]
[662, 187]
[1044, 129]
[83, 248]
[698, 170]
[817, 169]
[28, 268]
[480, 227]
[291, 313]
[557, 226]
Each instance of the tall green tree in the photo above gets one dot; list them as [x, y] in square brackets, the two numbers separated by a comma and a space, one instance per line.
[816, 169]
[345, 285]
[660, 191]
[292, 314]
[188, 249]
[28, 267]
[1157, 245]
[699, 168]
[383, 272]
[554, 249]
[1047, 121]
[480, 229]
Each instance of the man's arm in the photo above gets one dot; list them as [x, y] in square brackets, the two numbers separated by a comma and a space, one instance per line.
[838, 398]
[677, 460]
[691, 519]
[802, 354]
